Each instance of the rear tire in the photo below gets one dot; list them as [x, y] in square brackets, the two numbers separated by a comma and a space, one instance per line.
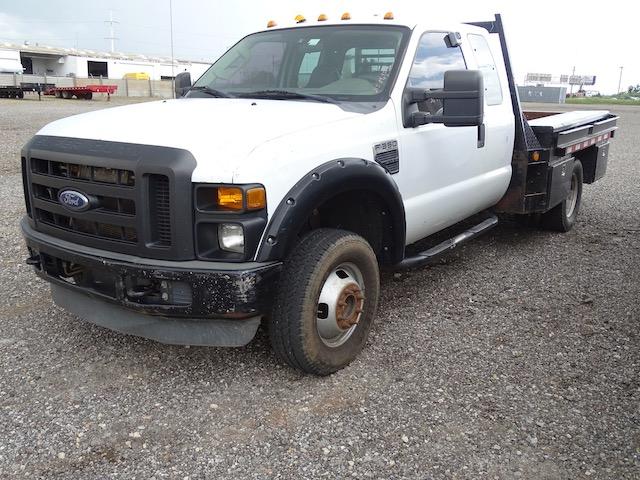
[563, 217]
[326, 302]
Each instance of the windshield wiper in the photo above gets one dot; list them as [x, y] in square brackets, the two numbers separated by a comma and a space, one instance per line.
[286, 95]
[210, 91]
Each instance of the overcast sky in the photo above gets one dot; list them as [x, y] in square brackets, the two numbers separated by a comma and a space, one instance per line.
[545, 36]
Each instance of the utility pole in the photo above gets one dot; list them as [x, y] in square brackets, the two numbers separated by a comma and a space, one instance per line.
[111, 36]
[573, 74]
[620, 80]
[173, 73]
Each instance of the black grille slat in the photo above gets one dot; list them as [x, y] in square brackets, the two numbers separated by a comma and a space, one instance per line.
[117, 205]
[100, 189]
[92, 215]
[104, 175]
[160, 206]
[87, 227]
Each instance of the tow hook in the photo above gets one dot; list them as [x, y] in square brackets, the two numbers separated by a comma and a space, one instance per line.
[33, 260]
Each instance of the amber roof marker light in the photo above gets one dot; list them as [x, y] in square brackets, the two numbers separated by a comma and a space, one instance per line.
[345, 16]
[300, 19]
[388, 16]
[322, 17]
[271, 23]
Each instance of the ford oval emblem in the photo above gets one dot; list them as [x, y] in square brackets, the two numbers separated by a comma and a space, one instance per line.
[74, 200]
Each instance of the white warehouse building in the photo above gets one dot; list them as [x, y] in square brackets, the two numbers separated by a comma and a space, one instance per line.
[81, 63]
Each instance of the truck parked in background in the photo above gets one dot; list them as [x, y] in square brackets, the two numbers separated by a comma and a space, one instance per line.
[305, 159]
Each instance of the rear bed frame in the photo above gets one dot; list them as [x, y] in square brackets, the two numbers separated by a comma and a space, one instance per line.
[543, 154]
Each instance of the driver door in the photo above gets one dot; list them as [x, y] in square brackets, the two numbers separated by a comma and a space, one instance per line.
[443, 172]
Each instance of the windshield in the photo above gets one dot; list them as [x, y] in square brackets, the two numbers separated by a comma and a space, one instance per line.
[343, 63]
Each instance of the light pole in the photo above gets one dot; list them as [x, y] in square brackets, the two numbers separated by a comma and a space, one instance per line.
[620, 80]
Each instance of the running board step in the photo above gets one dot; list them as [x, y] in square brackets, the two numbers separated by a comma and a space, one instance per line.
[434, 253]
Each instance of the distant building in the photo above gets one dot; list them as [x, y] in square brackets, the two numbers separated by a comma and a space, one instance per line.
[542, 94]
[82, 63]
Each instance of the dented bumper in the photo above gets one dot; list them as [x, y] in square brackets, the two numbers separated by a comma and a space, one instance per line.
[159, 293]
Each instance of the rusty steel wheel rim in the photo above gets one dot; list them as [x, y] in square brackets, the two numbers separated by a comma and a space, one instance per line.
[340, 304]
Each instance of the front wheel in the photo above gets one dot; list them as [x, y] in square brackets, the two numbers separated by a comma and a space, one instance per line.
[563, 217]
[326, 302]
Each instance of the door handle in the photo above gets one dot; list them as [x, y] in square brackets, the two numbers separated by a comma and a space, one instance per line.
[481, 135]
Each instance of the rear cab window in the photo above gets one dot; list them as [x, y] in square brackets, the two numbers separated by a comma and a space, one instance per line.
[487, 65]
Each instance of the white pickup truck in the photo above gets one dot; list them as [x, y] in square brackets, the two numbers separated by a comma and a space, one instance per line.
[307, 157]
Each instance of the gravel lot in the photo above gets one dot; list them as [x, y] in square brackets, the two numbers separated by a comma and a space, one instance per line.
[518, 356]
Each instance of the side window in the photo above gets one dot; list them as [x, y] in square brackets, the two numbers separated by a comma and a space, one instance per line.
[433, 58]
[486, 64]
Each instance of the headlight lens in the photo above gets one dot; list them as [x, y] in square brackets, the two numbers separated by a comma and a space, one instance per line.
[231, 237]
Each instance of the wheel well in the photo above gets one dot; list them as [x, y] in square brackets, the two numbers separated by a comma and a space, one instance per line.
[359, 211]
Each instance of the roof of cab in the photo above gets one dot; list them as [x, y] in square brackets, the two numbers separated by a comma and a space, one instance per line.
[376, 19]
[314, 20]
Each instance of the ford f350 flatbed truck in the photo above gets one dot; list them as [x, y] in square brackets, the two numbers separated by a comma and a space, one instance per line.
[305, 159]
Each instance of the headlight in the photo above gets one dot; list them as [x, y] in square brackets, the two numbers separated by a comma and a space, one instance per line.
[231, 237]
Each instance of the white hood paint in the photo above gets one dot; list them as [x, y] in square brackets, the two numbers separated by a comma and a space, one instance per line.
[271, 142]
[219, 132]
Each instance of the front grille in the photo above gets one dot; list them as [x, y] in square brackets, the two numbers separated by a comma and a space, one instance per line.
[119, 197]
[111, 190]
[160, 203]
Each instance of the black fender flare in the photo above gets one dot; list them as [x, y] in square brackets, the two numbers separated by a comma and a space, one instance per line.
[321, 184]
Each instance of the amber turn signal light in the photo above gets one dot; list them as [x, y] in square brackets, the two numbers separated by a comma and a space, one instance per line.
[256, 198]
[230, 198]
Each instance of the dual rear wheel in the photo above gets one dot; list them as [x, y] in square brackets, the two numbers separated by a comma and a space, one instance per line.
[563, 216]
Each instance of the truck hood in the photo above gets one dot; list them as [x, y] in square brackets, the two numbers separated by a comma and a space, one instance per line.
[219, 132]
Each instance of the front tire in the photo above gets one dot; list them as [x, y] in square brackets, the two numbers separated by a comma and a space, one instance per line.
[327, 300]
[563, 217]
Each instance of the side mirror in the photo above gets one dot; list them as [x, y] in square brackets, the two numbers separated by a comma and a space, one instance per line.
[462, 101]
[182, 83]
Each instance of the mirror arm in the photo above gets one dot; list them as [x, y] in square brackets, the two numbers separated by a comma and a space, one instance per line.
[423, 118]
[416, 95]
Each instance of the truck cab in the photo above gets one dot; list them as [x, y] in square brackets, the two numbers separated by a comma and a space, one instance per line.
[275, 187]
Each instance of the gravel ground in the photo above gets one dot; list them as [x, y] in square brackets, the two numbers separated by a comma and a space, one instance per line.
[518, 356]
